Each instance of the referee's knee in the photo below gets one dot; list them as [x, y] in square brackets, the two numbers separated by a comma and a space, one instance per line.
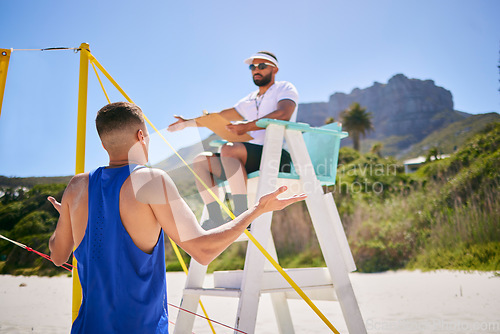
[233, 150]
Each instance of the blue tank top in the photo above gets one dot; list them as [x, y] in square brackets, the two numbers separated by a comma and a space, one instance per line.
[124, 289]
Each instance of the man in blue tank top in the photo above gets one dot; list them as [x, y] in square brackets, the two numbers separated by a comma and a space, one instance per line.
[115, 217]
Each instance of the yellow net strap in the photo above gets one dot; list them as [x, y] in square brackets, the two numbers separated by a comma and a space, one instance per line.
[100, 82]
[268, 256]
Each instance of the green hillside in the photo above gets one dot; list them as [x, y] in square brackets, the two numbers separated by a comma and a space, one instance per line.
[449, 139]
[444, 216]
[28, 217]
[29, 182]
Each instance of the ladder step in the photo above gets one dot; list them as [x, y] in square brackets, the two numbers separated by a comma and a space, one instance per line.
[324, 292]
[213, 292]
[314, 293]
[307, 278]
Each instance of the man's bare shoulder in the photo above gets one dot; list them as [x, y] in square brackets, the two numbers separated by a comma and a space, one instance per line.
[153, 186]
[148, 176]
[76, 193]
[77, 184]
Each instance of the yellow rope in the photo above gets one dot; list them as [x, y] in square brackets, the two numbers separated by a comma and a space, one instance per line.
[225, 208]
[100, 82]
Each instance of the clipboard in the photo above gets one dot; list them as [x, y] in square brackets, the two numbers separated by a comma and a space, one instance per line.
[217, 124]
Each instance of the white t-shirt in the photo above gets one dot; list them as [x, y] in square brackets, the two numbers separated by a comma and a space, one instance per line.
[252, 107]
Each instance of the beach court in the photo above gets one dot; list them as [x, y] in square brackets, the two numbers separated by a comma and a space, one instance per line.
[414, 302]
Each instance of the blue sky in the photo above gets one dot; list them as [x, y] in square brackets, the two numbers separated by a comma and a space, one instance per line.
[186, 56]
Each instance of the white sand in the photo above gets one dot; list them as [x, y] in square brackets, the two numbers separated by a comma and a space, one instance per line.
[392, 302]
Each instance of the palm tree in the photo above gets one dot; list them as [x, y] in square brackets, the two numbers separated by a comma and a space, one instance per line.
[356, 121]
[433, 153]
[377, 149]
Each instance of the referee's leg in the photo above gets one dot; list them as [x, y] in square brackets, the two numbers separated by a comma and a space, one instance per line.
[234, 157]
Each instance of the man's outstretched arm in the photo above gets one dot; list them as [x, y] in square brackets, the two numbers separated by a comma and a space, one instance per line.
[180, 224]
[230, 114]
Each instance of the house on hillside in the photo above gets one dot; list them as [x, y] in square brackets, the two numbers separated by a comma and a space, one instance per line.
[411, 165]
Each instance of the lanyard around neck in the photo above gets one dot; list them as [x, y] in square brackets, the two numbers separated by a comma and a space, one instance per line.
[258, 100]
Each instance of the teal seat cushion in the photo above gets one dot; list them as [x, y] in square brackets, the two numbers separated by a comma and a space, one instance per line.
[323, 144]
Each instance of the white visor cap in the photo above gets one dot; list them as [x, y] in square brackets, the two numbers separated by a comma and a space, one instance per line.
[262, 55]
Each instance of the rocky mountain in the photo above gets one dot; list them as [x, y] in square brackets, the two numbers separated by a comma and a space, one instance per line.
[404, 110]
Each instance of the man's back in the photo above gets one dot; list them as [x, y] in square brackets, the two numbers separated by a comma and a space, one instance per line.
[124, 287]
[137, 216]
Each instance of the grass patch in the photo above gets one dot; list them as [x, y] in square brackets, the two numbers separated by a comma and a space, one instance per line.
[307, 259]
[233, 258]
[484, 257]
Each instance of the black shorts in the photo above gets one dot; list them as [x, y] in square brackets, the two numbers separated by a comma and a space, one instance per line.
[254, 155]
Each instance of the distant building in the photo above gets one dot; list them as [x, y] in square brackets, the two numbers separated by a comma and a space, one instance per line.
[411, 165]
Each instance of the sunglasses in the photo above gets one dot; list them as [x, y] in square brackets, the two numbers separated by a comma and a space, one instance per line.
[261, 66]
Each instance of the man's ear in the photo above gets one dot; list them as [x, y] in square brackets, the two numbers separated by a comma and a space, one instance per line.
[140, 135]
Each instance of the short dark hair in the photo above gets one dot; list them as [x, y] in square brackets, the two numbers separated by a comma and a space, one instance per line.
[118, 116]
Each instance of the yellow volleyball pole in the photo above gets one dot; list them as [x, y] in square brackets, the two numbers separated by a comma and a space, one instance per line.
[80, 156]
[4, 66]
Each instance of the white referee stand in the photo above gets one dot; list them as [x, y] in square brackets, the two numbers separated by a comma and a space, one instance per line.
[314, 155]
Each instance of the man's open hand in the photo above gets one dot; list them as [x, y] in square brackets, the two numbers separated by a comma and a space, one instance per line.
[55, 203]
[179, 125]
[271, 202]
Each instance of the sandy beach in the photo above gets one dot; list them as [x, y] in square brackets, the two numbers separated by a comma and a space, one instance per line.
[391, 302]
